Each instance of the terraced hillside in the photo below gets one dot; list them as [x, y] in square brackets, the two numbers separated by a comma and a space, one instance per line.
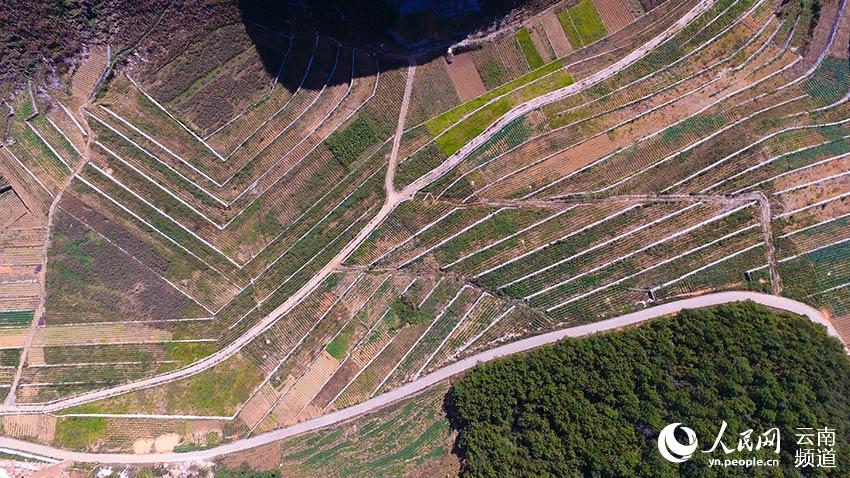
[207, 252]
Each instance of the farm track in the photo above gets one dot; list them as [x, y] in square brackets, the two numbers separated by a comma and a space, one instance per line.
[393, 199]
[561, 202]
[39, 312]
[424, 382]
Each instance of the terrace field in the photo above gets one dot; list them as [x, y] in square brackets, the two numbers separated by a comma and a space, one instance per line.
[200, 237]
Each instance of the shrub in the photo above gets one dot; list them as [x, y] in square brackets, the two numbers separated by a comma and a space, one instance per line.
[348, 144]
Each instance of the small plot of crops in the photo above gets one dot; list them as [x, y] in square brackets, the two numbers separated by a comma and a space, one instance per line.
[813, 260]
[500, 62]
[19, 318]
[79, 433]
[396, 441]
[830, 82]
[444, 121]
[433, 92]
[89, 279]
[582, 24]
[532, 56]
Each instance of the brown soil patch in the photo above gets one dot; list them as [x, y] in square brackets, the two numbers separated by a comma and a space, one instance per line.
[842, 326]
[614, 14]
[13, 337]
[842, 39]
[287, 410]
[816, 193]
[465, 77]
[35, 356]
[555, 34]
[11, 208]
[166, 443]
[813, 174]
[142, 446]
[339, 380]
[35, 427]
[555, 167]
[255, 409]
[99, 334]
[261, 458]
[85, 77]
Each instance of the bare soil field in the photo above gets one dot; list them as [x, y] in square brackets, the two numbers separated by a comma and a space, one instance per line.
[555, 34]
[842, 325]
[90, 70]
[614, 14]
[465, 78]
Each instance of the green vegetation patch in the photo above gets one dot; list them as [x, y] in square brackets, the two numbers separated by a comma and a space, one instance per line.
[189, 352]
[451, 140]
[216, 391]
[475, 124]
[348, 144]
[492, 73]
[594, 406]
[10, 357]
[16, 318]
[691, 125]
[26, 109]
[444, 121]
[338, 347]
[79, 433]
[582, 24]
[406, 313]
[523, 37]
[830, 83]
[393, 442]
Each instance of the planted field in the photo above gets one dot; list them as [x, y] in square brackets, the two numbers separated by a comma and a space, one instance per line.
[465, 78]
[614, 13]
[403, 439]
[532, 55]
[16, 318]
[582, 24]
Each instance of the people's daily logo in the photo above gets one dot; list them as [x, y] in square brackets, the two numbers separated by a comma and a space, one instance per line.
[671, 449]
[815, 447]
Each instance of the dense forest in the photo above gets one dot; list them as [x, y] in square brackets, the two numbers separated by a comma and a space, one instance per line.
[594, 407]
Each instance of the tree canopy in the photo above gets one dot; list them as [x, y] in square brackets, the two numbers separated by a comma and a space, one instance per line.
[594, 406]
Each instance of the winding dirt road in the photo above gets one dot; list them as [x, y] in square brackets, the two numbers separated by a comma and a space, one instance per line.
[427, 381]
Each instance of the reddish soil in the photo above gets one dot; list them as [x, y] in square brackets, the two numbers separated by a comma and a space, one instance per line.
[465, 77]
[262, 458]
[842, 326]
[555, 167]
[339, 380]
[614, 14]
[556, 35]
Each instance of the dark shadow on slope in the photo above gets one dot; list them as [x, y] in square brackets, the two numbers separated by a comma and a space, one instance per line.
[393, 27]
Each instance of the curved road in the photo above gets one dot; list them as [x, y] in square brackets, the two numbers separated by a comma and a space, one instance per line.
[423, 383]
[393, 199]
